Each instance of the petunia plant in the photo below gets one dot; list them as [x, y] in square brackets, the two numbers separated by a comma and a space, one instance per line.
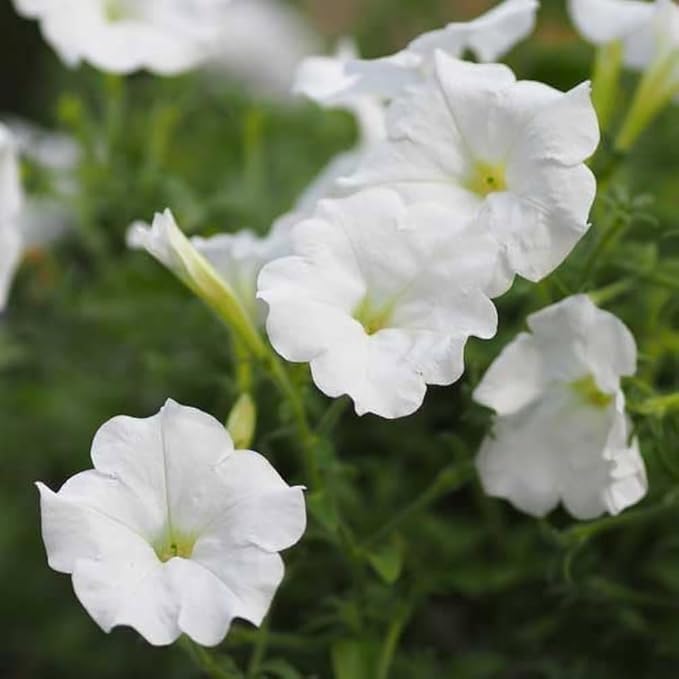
[420, 301]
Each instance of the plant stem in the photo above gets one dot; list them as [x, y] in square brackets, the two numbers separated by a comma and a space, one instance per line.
[606, 239]
[332, 416]
[655, 91]
[604, 295]
[447, 480]
[308, 440]
[205, 661]
[606, 80]
[391, 642]
[658, 405]
[259, 650]
[588, 530]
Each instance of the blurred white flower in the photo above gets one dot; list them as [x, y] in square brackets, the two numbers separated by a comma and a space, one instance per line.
[645, 37]
[11, 205]
[561, 432]
[260, 43]
[321, 80]
[380, 299]
[173, 531]
[645, 29]
[489, 37]
[53, 156]
[507, 154]
[122, 36]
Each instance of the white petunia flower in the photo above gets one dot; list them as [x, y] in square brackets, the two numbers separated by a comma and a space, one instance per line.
[165, 241]
[645, 36]
[53, 157]
[561, 432]
[380, 298]
[11, 205]
[234, 259]
[645, 29]
[507, 154]
[173, 531]
[260, 43]
[322, 80]
[122, 36]
[239, 257]
[489, 37]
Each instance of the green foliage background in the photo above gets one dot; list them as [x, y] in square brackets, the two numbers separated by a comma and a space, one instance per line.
[462, 586]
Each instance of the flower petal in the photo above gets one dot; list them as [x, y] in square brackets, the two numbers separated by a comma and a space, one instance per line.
[603, 21]
[250, 574]
[515, 378]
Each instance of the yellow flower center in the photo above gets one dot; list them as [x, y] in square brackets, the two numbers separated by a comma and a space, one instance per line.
[175, 545]
[373, 319]
[487, 178]
[116, 10]
[588, 390]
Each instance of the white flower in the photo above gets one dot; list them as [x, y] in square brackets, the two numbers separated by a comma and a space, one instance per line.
[646, 37]
[261, 42]
[325, 81]
[561, 433]
[122, 36]
[645, 29]
[239, 257]
[232, 260]
[173, 531]
[11, 205]
[380, 299]
[53, 156]
[322, 80]
[508, 154]
[165, 241]
[489, 37]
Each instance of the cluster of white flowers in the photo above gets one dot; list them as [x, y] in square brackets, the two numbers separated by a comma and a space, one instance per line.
[463, 178]
[476, 178]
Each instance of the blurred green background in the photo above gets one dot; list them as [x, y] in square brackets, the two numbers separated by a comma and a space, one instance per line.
[93, 330]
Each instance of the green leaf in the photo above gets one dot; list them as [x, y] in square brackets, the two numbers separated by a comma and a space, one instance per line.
[354, 659]
[387, 561]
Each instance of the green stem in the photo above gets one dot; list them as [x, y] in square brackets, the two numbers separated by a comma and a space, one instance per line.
[447, 480]
[659, 405]
[606, 81]
[243, 366]
[332, 416]
[308, 441]
[605, 241]
[259, 650]
[588, 530]
[206, 662]
[600, 587]
[655, 91]
[391, 642]
[114, 87]
[610, 292]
